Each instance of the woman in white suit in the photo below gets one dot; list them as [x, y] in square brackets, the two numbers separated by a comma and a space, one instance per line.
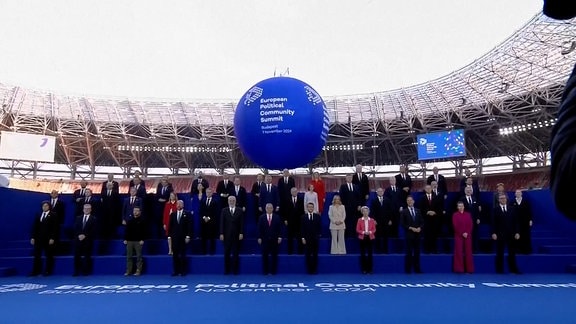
[311, 196]
[337, 215]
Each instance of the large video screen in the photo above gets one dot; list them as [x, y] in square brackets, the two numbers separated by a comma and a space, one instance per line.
[441, 145]
[27, 147]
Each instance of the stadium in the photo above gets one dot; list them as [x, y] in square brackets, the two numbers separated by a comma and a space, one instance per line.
[506, 103]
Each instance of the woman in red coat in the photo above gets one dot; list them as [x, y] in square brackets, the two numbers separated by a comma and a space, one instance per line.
[463, 226]
[366, 228]
[169, 207]
[320, 190]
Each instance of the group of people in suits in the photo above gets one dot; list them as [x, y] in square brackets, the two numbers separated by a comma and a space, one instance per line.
[222, 214]
[45, 235]
[428, 218]
[95, 217]
[270, 236]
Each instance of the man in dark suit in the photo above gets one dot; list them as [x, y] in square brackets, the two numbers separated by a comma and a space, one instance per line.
[111, 181]
[431, 211]
[269, 195]
[231, 234]
[381, 208]
[499, 191]
[436, 191]
[110, 216]
[505, 231]
[412, 222]
[85, 230]
[88, 199]
[445, 219]
[129, 203]
[285, 184]
[209, 211]
[58, 208]
[79, 194]
[394, 195]
[463, 184]
[352, 200]
[291, 215]
[360, 179]
[524, 213]
[255, 191]
[473, 184]
[469, 181]
[404, 182]
[440, 180]
[269, 231]
[224, 188]
[137, 180]
[140, 187]
[442, 195]
[180, 232]
[43, 239]
[194, 190]
[240, 193]
[311, 229]
[163, 190]
[472, 206]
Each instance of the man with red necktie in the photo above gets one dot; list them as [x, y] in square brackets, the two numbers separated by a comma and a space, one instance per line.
[269, 231]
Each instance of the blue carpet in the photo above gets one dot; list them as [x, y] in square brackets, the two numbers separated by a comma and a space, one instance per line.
[306, 299]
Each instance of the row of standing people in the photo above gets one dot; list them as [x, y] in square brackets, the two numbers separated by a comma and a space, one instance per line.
[354, 193]
[505, 231]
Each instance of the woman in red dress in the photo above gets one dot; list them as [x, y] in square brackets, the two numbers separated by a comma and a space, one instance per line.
[320, 190]
[462, 221]
[169, 207]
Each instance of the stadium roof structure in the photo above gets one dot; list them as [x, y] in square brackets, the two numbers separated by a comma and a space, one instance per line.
[506, 101]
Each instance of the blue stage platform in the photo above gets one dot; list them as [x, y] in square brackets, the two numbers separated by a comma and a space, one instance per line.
[336, 298]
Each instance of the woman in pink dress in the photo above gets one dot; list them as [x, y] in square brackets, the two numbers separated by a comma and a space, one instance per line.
[320, 190]
[463, 259]
[169, 207]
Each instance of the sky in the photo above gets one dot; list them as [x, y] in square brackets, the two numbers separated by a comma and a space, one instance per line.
[217, 49]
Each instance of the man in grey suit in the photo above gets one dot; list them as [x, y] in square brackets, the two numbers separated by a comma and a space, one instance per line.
[231, 234]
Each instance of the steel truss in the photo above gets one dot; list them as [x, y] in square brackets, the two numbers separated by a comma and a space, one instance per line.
[517, 83]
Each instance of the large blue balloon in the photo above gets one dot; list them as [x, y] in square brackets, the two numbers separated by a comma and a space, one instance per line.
[280, 123]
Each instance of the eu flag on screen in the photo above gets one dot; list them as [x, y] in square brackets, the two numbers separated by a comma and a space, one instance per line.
[441, 145]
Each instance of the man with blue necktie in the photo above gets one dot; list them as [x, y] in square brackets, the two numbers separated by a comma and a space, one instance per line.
[412, 221]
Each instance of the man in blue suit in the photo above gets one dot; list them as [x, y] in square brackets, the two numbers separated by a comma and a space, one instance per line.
[269, 231]
[239, 192]
[269, 195]
[85, 234]
[412, 221]
[129, 203]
